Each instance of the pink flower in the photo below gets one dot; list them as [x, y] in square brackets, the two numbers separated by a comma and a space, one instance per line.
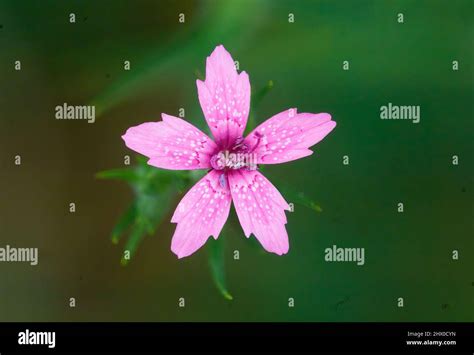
[176, 144]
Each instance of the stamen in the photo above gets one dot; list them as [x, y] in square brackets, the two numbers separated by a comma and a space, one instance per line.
[259, 138]
[240, 145]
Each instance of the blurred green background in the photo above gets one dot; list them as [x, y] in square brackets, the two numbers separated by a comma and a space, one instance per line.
[406, 254]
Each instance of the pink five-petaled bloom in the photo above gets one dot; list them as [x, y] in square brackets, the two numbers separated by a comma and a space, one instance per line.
[176, 144]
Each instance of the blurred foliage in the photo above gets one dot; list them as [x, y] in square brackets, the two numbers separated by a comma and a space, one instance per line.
[255, 101]
[154, 189]
[217, 22]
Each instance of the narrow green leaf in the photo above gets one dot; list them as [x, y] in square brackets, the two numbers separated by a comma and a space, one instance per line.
[125, 174]
[216, 264]
[299, 197]
[136, 236]
[124, 222]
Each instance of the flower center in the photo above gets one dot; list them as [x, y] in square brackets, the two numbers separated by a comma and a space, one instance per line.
[226, 159]
[239, 156]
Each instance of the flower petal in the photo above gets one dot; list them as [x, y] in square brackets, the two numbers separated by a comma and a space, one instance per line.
[201, 213]
[171, 144]
[224, 97]
[288, 135]
[260, 208]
